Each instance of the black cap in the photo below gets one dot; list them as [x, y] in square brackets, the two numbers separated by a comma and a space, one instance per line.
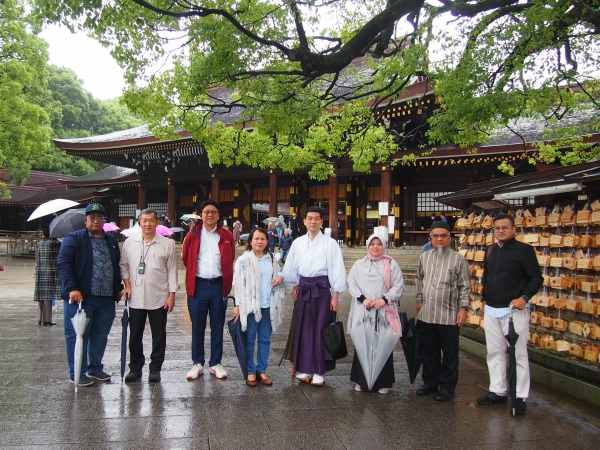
[440, 224]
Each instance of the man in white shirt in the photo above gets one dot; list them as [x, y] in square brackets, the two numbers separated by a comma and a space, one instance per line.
[149, 271]
[315, 272]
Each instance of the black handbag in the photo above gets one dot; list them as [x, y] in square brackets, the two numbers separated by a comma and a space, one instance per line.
[334, 341]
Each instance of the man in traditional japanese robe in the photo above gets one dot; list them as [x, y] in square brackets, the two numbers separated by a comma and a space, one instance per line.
[315, 272]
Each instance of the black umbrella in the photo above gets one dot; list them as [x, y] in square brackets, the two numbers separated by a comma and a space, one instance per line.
[512, 337]
[239, 343]
[411, 341]
[288, 352]
[125, 323]
[71, 220]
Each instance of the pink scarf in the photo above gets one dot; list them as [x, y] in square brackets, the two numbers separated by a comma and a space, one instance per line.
[387, 272]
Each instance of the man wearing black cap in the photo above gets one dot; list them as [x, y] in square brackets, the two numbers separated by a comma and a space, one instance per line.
[88, 264]
[443, 288]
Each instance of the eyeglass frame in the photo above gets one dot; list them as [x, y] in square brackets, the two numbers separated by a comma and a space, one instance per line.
[98, 219]
[438, 236]
[210, 213]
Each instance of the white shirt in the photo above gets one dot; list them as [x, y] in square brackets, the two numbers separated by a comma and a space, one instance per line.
[150, 289]
[208, 264]
[321, 256]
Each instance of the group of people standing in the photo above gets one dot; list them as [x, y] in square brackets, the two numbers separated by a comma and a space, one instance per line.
[92, 268]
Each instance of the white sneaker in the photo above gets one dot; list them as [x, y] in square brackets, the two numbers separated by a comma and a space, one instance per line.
[318, 380]
[218, 371]
[196, 371]
[357, 388]
[383, 391]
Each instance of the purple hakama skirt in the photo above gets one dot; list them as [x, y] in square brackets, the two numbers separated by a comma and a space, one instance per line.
[312, 314]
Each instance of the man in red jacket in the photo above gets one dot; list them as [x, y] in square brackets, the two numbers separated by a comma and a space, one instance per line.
[208, 253]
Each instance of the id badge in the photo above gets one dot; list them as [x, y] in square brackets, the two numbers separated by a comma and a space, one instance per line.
[141, 268]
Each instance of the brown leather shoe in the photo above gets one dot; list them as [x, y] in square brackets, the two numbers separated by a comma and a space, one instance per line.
[264, 379]
[250, 382]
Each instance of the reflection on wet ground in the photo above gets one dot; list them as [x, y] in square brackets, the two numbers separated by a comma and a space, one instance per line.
[39, 409]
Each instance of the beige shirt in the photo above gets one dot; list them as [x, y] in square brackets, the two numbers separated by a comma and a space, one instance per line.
[150, 289]
[443, 286]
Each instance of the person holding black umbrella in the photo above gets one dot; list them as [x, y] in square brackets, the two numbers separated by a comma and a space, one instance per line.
[47, 281]
[258, 301]
[443, 288]
[88, 265]
[511, 277]
[149, 272]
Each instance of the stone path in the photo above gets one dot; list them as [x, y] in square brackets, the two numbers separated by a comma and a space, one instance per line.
[38, 408]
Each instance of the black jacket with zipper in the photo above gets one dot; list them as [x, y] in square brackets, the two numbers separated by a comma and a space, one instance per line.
[510, 272]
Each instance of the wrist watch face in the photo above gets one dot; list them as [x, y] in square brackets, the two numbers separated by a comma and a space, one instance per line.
[525, 297]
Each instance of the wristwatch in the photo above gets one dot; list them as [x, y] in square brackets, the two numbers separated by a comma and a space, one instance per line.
[525, 297]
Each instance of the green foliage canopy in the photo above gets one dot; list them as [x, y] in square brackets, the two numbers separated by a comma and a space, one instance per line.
[290, 63]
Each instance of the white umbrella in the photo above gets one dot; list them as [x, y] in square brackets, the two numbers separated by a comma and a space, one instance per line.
[51, 207]
[128, 232]
[80, 322]
[190, 216]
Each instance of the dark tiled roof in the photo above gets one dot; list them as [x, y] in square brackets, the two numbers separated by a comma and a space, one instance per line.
[108, 173]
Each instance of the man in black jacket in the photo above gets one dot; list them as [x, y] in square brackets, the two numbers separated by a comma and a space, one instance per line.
[511, 277]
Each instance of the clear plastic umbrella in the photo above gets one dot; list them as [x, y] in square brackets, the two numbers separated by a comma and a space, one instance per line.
[80, 322]
[374, 340]
[278, 222]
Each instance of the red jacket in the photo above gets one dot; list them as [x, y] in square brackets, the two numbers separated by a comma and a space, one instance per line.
[191, 250]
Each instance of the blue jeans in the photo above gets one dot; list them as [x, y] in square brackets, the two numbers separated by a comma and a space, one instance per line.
[207, 299]
[264, 340]
[101, 313]
[284, 254]
[279, 236]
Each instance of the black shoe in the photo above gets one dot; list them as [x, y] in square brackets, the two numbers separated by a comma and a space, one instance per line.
[444, 396]
[39, 322]
[154, 377]
[491, 398]
[49, 324]
[133, 376]
[100, 375]
[426, 390]
[520, 407]
[83, 381]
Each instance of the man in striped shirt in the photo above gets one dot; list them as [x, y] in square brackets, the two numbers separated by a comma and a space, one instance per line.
[443, 288]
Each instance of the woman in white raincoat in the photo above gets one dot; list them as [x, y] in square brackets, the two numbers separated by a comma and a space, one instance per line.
[376, 285]
[258, 301]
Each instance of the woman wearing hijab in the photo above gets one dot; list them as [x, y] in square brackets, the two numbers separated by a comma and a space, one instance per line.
[258, 301]
[376, 285]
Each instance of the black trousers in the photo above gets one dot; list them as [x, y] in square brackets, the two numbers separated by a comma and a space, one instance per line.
[158, 327]
[439, 352]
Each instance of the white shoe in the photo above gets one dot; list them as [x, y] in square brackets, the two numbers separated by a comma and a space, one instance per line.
[318, 380]
[383, 391]
[196, 371]
[357, 388]
[304, 377]
[218, 371]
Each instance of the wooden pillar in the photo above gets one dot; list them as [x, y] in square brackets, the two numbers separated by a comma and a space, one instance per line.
[398, 214]
[201, 196]
[242, 204]
[299, 195]
[334, 200]
[356, 210]
[273, 195]
[142, 204]
[215, 192]
[386, 197]
[172, 202]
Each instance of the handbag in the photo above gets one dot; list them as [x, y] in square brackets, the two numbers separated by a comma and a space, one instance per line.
[334, 341]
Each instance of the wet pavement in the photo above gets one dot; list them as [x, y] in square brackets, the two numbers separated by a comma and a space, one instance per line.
[38, 407]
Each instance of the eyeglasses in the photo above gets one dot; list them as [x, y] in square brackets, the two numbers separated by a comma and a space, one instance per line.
[502, 228]
[440, 236]
[97, 218]
[210, 212]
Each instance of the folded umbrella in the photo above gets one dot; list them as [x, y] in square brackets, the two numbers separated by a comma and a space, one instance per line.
[239, 341]
[374, 341]
[45, 209]
[512, 337]
[411, 341]
[80, 322]
[125, 324]
[71, 220]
